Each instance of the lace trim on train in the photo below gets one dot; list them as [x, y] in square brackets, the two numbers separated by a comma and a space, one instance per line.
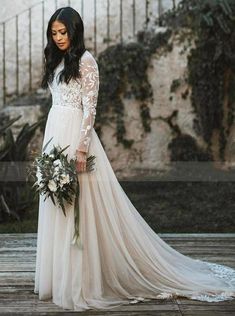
[225, 273]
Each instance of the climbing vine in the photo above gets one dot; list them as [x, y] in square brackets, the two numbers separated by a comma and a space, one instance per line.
[211, 64]
[123, 74]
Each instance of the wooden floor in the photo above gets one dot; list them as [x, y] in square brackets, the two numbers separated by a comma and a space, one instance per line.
[17, 269]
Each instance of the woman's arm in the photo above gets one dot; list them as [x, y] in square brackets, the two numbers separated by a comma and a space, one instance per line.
[89, 90]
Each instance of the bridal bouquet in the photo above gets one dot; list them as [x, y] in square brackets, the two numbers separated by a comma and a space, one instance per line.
[57, 179]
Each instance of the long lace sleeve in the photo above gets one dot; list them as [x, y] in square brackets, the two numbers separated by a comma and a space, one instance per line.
[89, 90]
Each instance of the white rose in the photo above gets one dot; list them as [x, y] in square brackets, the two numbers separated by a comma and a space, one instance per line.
[56, 170]
[64, 178]
[57, 162]
[52, 185]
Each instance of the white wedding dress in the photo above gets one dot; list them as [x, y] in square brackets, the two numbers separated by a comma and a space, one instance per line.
[122, 260]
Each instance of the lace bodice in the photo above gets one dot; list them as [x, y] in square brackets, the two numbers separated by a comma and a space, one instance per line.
[81, 94]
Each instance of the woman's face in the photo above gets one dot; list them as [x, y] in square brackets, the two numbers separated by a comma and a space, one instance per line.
[60, 35]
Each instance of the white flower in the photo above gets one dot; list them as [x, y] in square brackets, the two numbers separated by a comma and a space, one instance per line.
[56, 170]
[57, 162]
[52, 185]
[64, 178]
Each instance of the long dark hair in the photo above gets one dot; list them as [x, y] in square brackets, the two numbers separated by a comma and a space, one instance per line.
[53, 55]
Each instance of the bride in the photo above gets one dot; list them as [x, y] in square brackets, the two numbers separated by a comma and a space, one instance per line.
[122, 260]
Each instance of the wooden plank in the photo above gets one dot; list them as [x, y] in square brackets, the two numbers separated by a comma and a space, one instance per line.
[166, 235]
[216, 308]
[26, 304]
[17, 278]
[206, 313]
[87, 313]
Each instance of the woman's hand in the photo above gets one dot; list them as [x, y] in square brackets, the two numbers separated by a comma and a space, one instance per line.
[81, 160]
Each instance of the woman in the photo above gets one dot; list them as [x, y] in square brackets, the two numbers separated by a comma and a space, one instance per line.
[122, 259]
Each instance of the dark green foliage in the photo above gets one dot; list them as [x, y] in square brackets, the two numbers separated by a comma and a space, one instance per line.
[185, 148]
[146, 118]
[123, 72]
[15, 192]
[175, 84]
[211, 63]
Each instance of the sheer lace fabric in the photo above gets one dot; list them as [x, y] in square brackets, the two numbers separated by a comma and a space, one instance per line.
[81, 94]
[123, 260]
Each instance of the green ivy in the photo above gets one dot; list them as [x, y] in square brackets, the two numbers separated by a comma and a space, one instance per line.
[211, 64]
[175, 84]
[123, 74]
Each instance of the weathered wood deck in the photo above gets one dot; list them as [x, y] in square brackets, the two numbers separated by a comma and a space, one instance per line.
[17, 268]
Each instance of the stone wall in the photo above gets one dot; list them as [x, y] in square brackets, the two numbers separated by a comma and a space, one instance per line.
[150, 150]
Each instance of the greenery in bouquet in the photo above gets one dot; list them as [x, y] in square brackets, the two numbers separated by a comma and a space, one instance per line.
[57, 178]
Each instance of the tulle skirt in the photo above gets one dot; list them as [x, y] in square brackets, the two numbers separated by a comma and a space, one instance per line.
[122, 260]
